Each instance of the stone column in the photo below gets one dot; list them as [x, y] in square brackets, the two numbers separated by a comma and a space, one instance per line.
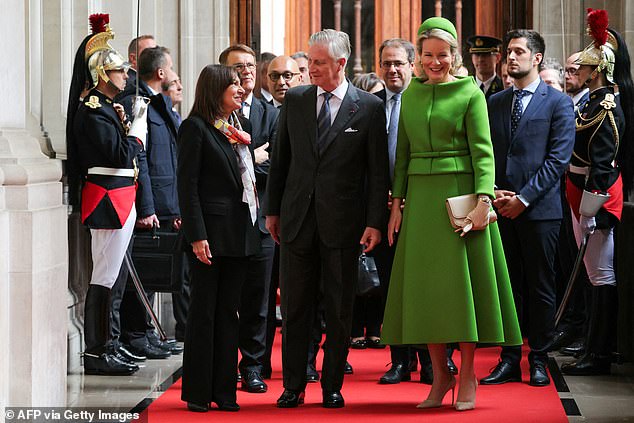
[33, 267]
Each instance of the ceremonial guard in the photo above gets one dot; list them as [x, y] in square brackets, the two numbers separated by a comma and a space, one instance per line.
[102, 148]
[594, 183]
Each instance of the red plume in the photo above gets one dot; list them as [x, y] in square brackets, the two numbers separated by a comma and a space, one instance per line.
[98, 22]
[598, 26]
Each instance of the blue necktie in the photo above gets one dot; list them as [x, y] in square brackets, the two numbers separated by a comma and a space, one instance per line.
[323, 121]
[392, 130]
[517, 110]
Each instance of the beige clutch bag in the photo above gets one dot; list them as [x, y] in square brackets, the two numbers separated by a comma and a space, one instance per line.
[459, 207]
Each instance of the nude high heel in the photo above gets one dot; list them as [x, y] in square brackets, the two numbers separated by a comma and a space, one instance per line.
[466, 405]
[435, 403]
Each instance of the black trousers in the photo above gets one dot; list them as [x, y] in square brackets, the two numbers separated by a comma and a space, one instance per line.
[302, 262]
[254, 306]
[530, 247]
[211, 338]
[575, 317]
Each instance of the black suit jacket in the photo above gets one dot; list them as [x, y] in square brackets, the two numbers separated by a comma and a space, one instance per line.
[210, 192]
[263, 119]
[347, 182]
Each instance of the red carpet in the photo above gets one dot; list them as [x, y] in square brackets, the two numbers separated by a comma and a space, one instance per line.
[368, 401]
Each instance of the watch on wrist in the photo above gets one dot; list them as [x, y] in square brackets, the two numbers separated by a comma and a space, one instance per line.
[485, 199]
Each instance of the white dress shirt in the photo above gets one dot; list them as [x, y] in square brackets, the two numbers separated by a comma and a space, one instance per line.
[335, 101]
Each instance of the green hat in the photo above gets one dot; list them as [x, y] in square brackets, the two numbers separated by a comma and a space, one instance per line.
[438, 23]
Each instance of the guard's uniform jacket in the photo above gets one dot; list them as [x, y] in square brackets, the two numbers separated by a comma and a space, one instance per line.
[600, 125]
[107, 160]
[495, 87]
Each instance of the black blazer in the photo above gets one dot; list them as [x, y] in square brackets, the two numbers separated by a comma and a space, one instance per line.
[210, 191]
[263, 119]
[347, 181]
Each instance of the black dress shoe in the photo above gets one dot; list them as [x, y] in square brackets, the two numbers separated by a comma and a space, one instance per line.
[333, 399]
[121, 349]
[106, 364]
[228, 406]
[539, 375]
[197, 407]
[123, 359]
[426, 374]
[348, 370]
[169, 345]
[562, 338]
[376, 344]
[398, 373]
[359, 344]
[504, 372]
[588, 365]
[290, 399]
[311, 374]
[453, 369]
[252, 382]
[577, 348]
[144, 348]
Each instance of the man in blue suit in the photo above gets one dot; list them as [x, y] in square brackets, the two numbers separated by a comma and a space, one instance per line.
[533, 132]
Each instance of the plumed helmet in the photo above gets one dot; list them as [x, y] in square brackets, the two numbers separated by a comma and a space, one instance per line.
[600, 52]
[100, 55]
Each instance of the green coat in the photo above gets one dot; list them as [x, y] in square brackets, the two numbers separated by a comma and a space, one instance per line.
[445, 288]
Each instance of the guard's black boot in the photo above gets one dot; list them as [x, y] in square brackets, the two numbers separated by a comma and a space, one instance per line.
[601, 340]
[98, 359]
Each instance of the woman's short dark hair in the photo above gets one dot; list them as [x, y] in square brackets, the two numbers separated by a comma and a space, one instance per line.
[212, 83]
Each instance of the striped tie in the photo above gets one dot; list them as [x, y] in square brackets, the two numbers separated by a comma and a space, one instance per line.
[323, 121]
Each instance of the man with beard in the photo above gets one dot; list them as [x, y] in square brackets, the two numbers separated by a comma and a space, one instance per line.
[533, 132]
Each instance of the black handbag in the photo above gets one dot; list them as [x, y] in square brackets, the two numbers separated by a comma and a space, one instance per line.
[159, 260]
[369, 283]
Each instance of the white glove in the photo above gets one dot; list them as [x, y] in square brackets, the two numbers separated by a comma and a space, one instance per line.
[139, 124]
[587, 224]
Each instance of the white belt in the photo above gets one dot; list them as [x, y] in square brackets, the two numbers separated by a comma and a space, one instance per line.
[579, 170]
[110, 171]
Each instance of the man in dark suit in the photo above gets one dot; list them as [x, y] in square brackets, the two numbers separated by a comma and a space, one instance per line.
[569, 335]
[157, 199]
[532, 130]
[326, 195]
[485, 56]
[255, 291]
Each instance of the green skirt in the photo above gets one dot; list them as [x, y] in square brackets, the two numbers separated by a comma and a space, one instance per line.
[445, 288]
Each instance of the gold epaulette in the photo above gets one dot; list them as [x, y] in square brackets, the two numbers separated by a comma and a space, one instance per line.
[93, 102]
[608, 103]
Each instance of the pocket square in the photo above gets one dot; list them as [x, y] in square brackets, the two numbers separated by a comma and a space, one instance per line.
[351, 130]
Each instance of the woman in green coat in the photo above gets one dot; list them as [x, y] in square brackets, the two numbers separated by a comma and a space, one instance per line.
[446, 287]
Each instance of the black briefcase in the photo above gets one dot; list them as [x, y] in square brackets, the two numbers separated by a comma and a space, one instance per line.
[159, 260]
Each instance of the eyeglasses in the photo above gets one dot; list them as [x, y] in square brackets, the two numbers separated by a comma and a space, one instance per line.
[275, 76]
[396, 63]
[242, 66]
[572, 71]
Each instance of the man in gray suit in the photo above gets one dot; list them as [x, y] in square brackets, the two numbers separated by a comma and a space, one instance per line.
[326, 194]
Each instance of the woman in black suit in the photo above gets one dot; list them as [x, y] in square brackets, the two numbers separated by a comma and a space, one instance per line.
[216, 189]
